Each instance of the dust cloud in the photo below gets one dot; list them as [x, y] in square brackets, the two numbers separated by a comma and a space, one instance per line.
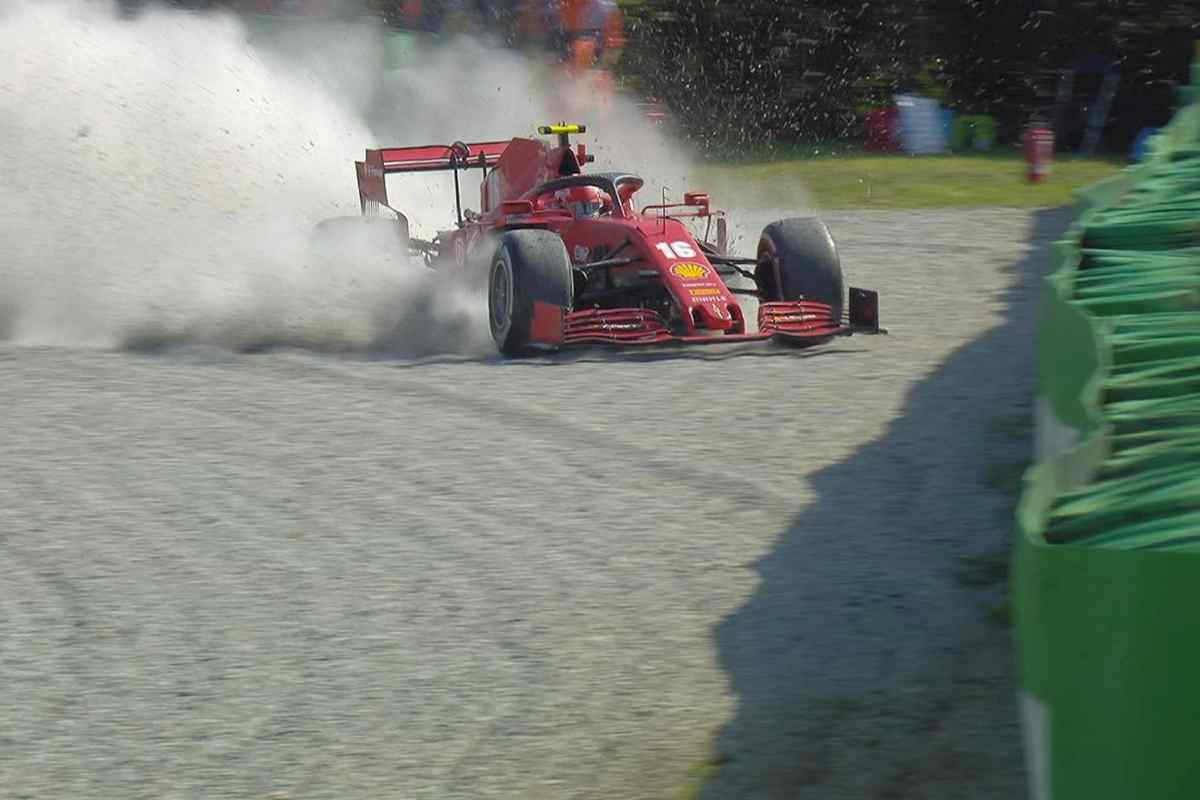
[161, 177]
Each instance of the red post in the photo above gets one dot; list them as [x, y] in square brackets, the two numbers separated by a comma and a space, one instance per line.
[1039, 153]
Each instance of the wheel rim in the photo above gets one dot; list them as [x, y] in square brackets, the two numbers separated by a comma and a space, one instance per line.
[501, 299]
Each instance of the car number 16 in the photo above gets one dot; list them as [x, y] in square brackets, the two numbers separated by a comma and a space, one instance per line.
[676, 250]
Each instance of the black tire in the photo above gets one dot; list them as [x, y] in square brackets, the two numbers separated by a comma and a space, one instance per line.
[797, 259]
[528, 265]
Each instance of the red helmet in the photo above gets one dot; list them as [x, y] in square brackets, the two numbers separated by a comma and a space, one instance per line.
[584, 201]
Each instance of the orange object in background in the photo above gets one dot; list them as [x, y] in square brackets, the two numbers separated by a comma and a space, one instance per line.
[578, 16]
[614, 30]
[592, 36]
[582, 56]
[1038, 146]
[598, 21]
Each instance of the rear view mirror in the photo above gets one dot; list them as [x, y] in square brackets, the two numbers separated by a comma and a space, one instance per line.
[697, 199]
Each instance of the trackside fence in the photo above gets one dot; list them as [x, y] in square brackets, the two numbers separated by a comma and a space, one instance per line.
[1106, 580]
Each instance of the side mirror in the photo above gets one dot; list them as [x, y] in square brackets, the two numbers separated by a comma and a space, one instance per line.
[699, 199]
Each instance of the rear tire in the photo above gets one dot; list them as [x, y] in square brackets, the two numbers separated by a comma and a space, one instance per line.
[528, 266]
[798, 259]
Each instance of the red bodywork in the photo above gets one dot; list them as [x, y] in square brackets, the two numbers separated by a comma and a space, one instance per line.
[517, 191]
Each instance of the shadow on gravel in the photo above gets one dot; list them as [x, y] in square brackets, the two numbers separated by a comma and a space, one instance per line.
[155, 342]
[865, 665]
[699, 352]
[631, 354]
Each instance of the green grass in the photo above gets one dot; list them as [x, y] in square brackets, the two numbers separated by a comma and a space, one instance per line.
[899, 181]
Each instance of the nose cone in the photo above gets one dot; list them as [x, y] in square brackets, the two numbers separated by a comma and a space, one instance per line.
[712, 316]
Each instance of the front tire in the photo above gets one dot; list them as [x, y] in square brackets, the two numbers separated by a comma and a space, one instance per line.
[528, 266]
[798, 259]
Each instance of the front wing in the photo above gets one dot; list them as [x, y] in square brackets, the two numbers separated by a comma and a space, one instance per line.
[798, 322]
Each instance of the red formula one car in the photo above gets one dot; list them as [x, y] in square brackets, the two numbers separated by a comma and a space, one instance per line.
[570, 260]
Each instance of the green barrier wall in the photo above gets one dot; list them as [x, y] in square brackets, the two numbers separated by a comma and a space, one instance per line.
[1107, 564]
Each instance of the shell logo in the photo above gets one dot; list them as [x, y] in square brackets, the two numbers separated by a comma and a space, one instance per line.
[690, 270]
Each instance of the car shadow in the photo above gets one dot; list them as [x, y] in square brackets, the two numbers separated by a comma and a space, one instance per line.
[154, 343]
[640, 354]
[869, 662]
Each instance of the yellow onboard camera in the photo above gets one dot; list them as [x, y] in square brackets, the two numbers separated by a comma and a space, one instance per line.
[547, 130]
[563, 131]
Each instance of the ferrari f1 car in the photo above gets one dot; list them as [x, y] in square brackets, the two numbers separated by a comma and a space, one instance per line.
[570, 260]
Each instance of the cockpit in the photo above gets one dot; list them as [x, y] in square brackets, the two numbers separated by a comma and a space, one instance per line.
[589, 196]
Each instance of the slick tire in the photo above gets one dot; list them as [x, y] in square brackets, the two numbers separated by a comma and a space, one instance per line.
[797, 259]
[528, 266]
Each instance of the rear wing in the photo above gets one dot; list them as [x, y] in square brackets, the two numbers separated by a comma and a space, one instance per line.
[373, 169]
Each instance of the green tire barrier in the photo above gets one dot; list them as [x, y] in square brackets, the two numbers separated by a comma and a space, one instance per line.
[1107, 568]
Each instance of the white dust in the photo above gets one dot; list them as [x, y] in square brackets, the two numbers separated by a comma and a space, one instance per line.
[160, 178]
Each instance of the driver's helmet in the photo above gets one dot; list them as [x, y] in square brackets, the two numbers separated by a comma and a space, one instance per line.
[584, 201]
